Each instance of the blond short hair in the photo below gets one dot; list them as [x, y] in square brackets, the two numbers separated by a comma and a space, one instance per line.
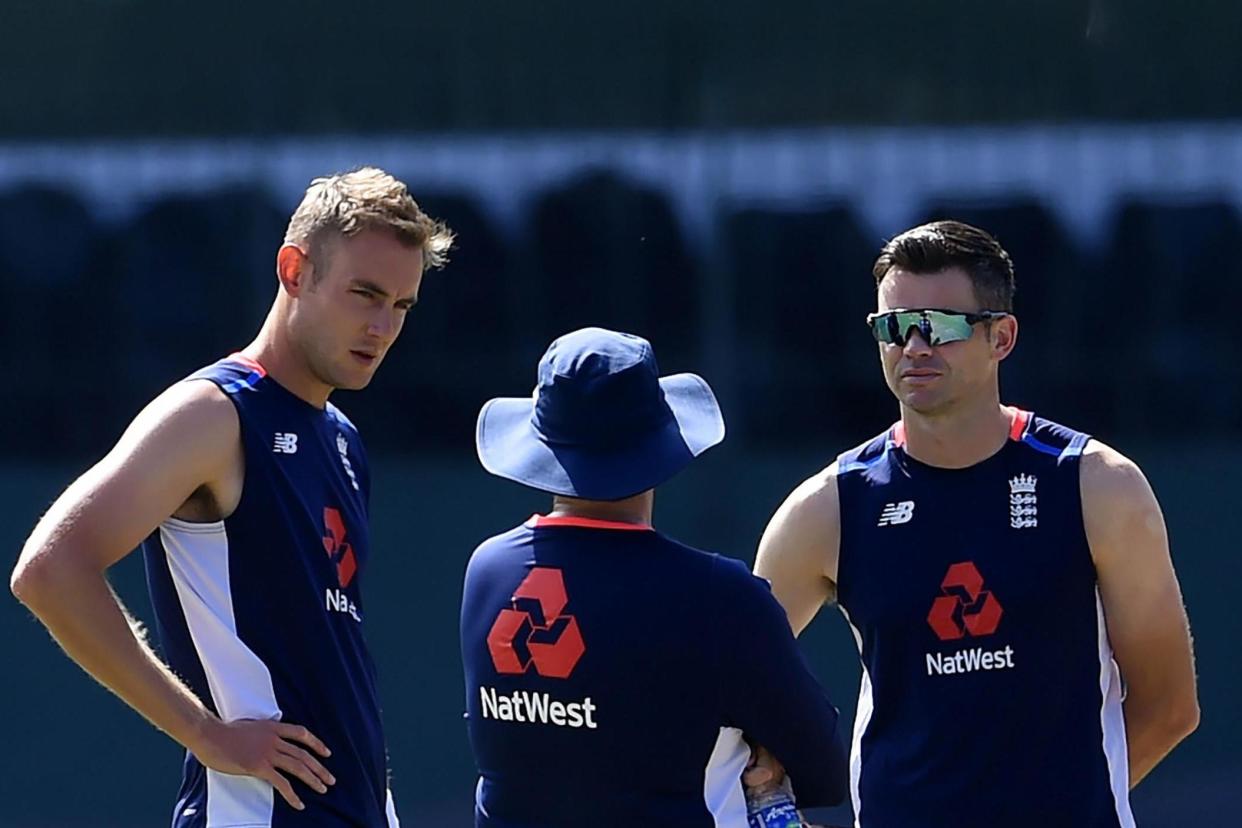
[366, 198]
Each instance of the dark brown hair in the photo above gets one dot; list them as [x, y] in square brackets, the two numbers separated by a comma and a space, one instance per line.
[931, 248]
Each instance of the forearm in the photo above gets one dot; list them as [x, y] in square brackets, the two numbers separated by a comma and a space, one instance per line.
[1152, 731]
[87, 620]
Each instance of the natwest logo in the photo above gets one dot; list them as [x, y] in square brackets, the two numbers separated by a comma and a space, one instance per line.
[534, 631]
[338, 549]
[965, 607]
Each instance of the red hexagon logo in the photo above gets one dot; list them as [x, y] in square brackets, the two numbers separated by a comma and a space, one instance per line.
[965, 608]
[338, 549]
[534, 630]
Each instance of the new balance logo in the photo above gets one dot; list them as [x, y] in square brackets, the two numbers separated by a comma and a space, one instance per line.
[286, 443]
[895, 513]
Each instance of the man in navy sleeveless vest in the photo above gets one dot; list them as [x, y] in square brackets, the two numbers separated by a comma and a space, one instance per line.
[1003, 576]
[251, 491]
[611, 671]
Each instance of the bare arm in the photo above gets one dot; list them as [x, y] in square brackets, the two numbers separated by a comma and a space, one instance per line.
[183, 442]
[1143, 607]
[798, 551]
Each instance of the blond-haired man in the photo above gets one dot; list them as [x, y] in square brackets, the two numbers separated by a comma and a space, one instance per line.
[248, 491]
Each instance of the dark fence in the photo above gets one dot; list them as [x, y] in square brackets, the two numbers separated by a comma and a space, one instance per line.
[1130, 340]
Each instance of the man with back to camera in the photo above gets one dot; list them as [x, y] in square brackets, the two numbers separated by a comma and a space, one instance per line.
[249, 493]
[611, 671]
[1002, 574]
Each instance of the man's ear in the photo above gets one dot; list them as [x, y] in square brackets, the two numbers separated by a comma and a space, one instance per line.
[1004, 336]
[293, 269]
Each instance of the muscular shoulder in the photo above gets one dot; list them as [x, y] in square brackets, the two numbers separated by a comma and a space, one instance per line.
[183, 442]
[1109, 478]
[1116, 497]
[812, 511]
[196, 411]
[187, 440]
[799, 550]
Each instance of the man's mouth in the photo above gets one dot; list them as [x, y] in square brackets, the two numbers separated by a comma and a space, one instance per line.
[919, 376]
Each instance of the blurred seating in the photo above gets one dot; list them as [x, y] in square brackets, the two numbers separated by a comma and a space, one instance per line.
[807, 365]
[98, 320]
[1172, 271]
[1045, 372]
[196, 275]
[457, 348]
[606, 251]
[56, 317]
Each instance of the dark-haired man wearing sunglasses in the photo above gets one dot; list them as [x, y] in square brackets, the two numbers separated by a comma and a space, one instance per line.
[1003, 575]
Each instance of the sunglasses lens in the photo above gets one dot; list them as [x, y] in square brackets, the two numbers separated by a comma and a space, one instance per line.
[887, 327]
[878, 323]
[936, 327]
[948, 327]
[892, 327]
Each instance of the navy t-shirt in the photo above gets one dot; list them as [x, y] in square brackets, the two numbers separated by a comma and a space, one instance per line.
[610, 675]
[989, 692]
[261, 613]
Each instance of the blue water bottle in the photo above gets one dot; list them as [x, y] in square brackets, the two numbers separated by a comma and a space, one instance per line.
[773, 809]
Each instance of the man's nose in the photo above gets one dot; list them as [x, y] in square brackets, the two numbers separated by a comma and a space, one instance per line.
[383, 324]
[916, 345]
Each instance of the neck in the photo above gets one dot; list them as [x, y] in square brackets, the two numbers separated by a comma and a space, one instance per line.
[284, 362]
[637, 509]
[957, 439]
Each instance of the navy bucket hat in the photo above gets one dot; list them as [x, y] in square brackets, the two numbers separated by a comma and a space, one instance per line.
[603, 424]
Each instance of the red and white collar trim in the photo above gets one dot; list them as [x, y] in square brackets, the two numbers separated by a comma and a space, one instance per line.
[544, 521]
[1020, 419]
[252, 364]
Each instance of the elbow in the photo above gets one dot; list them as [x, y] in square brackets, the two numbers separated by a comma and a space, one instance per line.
[33, 581]
[23, 583]
[1185, 719]
[1177, 719]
